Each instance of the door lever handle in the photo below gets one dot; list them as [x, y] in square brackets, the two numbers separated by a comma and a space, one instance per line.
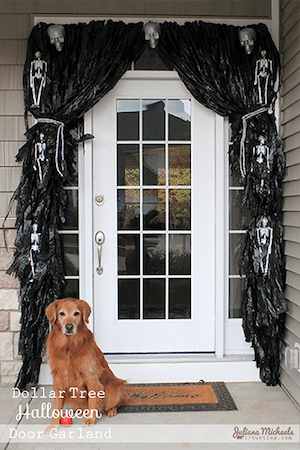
[100, 239]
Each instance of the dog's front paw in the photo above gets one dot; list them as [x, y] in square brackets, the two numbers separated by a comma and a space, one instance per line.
[50, 427]
[112, 412]
[88, 422]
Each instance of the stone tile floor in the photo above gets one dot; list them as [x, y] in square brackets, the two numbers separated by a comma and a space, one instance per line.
[257, 405]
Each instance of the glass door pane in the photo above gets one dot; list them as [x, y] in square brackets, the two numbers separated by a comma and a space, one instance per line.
[154, 208]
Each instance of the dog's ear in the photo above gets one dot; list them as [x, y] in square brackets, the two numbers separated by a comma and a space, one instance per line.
[86, 310]
[51, 312]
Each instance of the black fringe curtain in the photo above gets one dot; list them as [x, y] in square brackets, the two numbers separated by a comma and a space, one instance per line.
[213, 66]
[217, 71]
[94, 57]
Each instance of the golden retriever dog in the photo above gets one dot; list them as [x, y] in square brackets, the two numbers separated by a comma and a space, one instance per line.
[82, 378]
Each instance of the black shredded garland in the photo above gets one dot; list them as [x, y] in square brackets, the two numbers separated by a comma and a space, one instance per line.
[218, 73]
[263, 303]
[221, 76]
[43, 203]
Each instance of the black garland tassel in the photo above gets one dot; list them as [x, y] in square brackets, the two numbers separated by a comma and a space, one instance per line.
[260, 163]
[42, 202]
[264, 304]
[217, 71]
[93, 58]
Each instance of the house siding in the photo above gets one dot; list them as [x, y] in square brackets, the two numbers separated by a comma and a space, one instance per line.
[16, 21]
[290, 131]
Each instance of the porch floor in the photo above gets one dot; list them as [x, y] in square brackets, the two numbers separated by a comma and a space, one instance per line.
[256, 403]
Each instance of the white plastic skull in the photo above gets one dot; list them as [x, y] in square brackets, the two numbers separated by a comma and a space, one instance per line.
[57, 34]
[152, 30]
[247, 38]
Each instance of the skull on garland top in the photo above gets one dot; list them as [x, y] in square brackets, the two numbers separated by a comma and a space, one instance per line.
[57, 34]
[152, 30]
[247, 37]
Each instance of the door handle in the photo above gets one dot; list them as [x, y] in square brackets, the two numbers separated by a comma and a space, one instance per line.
[100, 239]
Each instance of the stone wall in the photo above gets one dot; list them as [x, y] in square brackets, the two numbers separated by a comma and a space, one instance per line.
[10, 361]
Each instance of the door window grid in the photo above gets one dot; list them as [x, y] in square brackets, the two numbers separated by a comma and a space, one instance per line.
[69, 234]
[144, 231]
[236, 281]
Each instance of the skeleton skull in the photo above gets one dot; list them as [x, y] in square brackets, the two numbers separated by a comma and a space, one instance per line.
[152, 30]
[57, 34]
[247, 38]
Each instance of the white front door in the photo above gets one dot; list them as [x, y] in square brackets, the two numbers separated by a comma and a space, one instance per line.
[154, 168]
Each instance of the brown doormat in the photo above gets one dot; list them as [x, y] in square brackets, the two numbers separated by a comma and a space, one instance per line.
[170, 397]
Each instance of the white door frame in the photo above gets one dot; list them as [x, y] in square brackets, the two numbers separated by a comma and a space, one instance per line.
[184, 335]
[87, 206]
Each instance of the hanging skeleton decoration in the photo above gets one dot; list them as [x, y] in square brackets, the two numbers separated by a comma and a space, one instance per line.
[35, 247]
[60, 162]
[262, 152]
[152, 31]
[263, 247]
[263, 71]
[264, 302]
[257, 154]
[38, 73]
[40, 156]
[261, 166]
[247, 37]
[57, 35]
[242, 157]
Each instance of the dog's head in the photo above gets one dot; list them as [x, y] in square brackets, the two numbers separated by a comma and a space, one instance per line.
[69, 314]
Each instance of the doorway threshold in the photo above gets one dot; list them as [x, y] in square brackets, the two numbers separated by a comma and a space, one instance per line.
[167, 358]
[176, 368]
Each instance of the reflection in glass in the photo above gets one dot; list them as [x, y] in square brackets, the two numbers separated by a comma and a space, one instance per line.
[129, 254]
[154, 254]
[71, 253]
[179, 120]
[72, 181]
[180, 254]
[154, 209]
[129, 299]
[128, 165]
[180, 209]
[239, 217]
[153, 120]
[236, 241]
[154, 172]
[72, 289]
[180, 298]
[128, 209]
[71, 222]
[234, 177]
[128, 120]
[236, 288]
[180, 165]
[154, 298]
